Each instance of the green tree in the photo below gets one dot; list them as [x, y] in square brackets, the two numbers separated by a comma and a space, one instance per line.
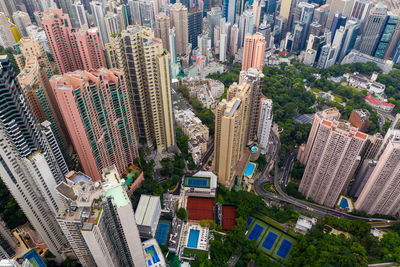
[181, 214]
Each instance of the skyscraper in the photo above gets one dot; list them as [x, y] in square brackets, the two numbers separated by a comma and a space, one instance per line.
[67, 7]
[98, 14]
[264, 124]
[8, 242]
[6, 36]
[352, 29]
[364, 164]
[374, 25]
[28, 161]
[386, 36]
[381, 193]
[332, 157]
[21, 20]
[179, 20]
[195, 27]
[236, 124]
[99, 223]
[343, 7]
[162, 29]
[98, 117]
[30, 182]
[148, 81]
[329, 114]
[80, 12]
[253, 51]
[72, 49]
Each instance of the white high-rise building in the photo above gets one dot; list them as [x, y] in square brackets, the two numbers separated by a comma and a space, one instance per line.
[222, 47]
[264, 124]
[21, 20]
[172, 46]
[99, 221]
[80, 13]
[6, 36]
[113, 23]
[98, 15]
[30, 182]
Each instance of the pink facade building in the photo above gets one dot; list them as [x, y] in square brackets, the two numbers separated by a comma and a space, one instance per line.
[253, 51]
[98, 118]
[73, 49]
[329, 114]
[381, 193]
[334, 152]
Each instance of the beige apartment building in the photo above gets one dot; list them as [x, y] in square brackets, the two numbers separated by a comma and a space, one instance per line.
[236, 124]
[145, 64]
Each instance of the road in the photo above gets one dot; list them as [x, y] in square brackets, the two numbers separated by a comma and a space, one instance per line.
[318, 210]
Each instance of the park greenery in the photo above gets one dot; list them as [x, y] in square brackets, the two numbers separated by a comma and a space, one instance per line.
[359, 249]
[182, 141]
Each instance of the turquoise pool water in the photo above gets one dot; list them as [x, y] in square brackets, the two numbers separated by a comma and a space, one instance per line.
[344, 204]
[193, 238]
[249, 169]
[254, 149]
[154, 256]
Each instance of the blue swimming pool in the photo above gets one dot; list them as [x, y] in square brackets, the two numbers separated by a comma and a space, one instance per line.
[344, 204]
[249, 169]
[34, 258]
[193, 238]
[154, 256]
[254, 149]
[162, 233]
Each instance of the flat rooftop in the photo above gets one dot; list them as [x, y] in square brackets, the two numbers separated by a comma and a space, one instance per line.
[119, 196]
[146, 208]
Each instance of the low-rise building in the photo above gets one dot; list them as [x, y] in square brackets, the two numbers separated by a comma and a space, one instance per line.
[147, 215]
[197, 132]
[377, 103]
[304, 224]
[208, 91]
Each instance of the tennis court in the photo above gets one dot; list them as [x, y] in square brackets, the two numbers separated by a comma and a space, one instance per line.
[284, 249]
[256, 232]
[269, 241]
[162, 233]
[249, 221]
[200, 208]
[197, 182]
[228, 217]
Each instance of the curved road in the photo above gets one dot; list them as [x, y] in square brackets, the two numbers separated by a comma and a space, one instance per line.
[305, 205]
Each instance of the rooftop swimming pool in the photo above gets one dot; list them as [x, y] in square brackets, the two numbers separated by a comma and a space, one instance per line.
[254, 149]
[344, 204]
[193, 238]
[154, 256]
[249, 169]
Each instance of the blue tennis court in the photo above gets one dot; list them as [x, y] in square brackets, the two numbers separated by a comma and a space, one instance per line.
[269, 241]
[256, 232]
[284, 249]
[249, 221]
[162, 233]
[197, 182]
[193, 238]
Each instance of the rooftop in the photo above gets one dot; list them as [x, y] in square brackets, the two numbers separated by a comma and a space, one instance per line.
[119, 196]
[146, 208]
